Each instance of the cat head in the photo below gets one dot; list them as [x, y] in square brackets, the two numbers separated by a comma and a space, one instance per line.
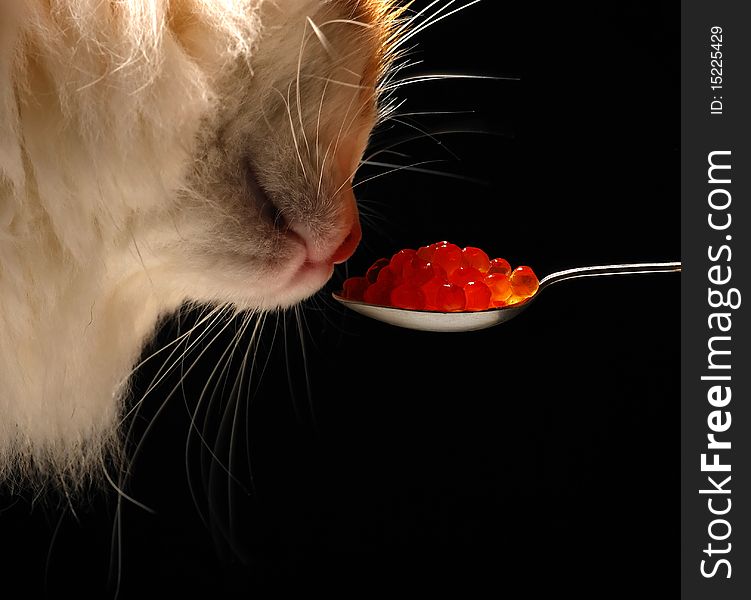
[206, 148]
[271, 185]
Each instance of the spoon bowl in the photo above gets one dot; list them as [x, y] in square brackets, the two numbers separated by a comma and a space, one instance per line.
[425, 320]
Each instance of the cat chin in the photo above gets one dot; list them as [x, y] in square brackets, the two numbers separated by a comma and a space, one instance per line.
[308, 280]
[244, 288]
[304, 282]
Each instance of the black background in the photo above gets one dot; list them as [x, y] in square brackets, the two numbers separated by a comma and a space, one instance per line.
[542, 453]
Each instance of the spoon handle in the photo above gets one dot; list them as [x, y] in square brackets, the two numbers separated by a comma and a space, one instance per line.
[602, 270]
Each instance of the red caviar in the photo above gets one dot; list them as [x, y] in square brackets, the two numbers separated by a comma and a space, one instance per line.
[378, 293]
[451, 298]
[524, 282]
[375, 268]
[408, 296]
[499, 265]
[426, 252]
[355, 287]
[430, 290]
[448, 256]
[387, 277]
[477, 259]
[418, 271]
[500, 287]
[478, 295]
[442, 277]
[464, 275]
[400, 260]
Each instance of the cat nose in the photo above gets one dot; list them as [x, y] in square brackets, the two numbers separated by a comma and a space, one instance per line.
[349, 245]
[347, 159]
[353, 230]
[343, 236]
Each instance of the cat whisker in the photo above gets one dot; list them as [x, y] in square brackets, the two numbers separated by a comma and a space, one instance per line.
[237, 386]
[120, 492]
[432, 134]
[297, 88]
[427, 172]
[434, 18]
[293, 312]
[426, 134]
[254, 343]
[339, 133]
[294, 134]
[292, 127]
[252, 393]
[174, 342]
[162, 373]
[441, 77]
[124, 471]
[370, 220]
[116, 547]
[398, 37]
[399, 168]
[48, 561]
[233, 397]
[324, 306]
[387, 151]
[237, 393]
[321, 168]
[184, 373]
[388, 104]
[338, 139]
[348, 22]
[301, 309]
[321, 171]
[287, 363]
[134, 411]
[226, 353]
[387, 109]
[308, 390]
[355, 86]
[368, 208]
[318, 130]
[413, 17]
[425, 113]
[64, 487]
[322, 38]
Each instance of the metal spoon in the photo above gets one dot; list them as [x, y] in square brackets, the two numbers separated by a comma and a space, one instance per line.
[425, 320]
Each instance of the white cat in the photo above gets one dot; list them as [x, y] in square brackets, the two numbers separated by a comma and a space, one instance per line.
[158, 152]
